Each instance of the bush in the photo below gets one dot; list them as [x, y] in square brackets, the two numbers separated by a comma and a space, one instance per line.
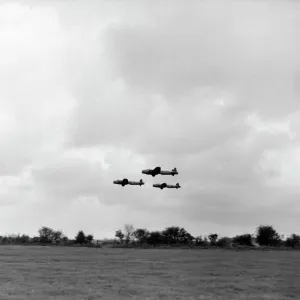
[244, 239]
[224, 242]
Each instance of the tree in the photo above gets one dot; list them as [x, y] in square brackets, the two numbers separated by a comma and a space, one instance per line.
[120, 235]
[5, 240]
[171, 234]
[46, 235]
[185, 237]
[80, 238]
[35, 240]
[89, 238]
[65, 239]
[56, 236]
[129, 230]
[141, 235]
[293, 241]
[155, 238]
[267, 236]
[201, 241]
[23, 239]
[244, 239]
[213, 239]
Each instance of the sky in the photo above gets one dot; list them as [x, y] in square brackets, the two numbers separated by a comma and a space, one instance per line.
[94, 91]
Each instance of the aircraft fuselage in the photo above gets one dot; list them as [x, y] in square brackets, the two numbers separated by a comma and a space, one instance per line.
[159, 171]
[140, 183]
[161, 186]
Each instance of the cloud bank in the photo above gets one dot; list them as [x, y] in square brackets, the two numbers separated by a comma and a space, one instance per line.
[96, 91]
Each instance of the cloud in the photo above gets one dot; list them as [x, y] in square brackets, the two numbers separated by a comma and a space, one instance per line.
[69, 178]
[248, 49]
[165, 72]
[92, 93]
[34, 101]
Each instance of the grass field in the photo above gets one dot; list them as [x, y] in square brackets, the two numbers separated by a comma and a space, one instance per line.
[32, 272]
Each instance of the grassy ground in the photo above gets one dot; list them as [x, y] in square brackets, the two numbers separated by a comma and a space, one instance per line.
[28, 272]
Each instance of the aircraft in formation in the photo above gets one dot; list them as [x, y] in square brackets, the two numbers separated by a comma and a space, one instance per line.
[153, 172]
[125, 181]
[169, 186]
[158, 170]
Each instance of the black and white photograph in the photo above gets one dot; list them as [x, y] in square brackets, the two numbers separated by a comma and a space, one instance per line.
[149, 149]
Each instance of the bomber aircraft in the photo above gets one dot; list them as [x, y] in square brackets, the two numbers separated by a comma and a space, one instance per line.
[140, 183]
[158, 170]
[161, 186]
[176, 186]
[122, 182]
[125, 181]
[164, 185]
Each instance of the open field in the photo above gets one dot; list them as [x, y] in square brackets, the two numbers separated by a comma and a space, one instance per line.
[36, 272]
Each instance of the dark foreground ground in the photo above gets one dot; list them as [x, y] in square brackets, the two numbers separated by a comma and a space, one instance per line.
[28, 272]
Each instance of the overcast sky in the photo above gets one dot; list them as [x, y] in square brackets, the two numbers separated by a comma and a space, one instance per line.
[93, 91]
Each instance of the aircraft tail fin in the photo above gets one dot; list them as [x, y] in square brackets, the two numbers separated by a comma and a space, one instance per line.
[174, 170]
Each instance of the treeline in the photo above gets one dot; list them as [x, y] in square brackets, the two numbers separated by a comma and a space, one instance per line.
[264, 235]
[48, 236]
